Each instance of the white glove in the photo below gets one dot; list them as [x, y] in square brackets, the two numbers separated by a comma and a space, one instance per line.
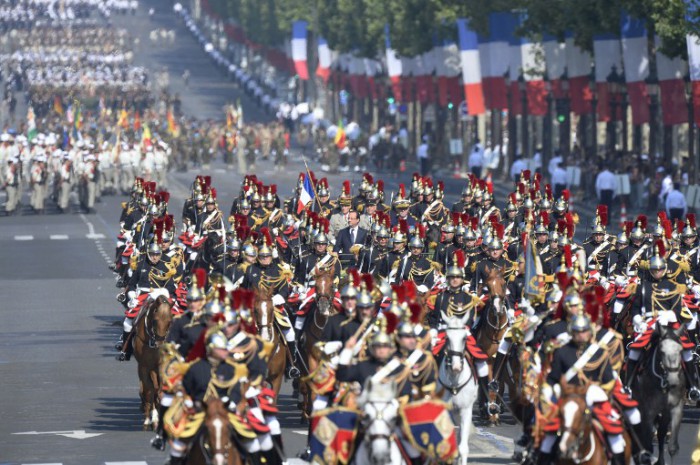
[252, 392]
[620, 281]
[639, 324]
[332, 347]
[423, 289]
[277, 300]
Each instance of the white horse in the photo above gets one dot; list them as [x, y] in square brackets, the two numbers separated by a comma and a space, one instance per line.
[458, 379]
[380, 407]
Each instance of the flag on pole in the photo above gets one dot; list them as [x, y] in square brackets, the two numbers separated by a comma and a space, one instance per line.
[58, 105]
[635, 54]
[671, 72]
[693, 42]
[299, 49]
[324, 60]
[394, 65]
[137, 121]
[146, 135]
[77, 117]
[172, 126]
[493, 59]
[307, 194]
[123, 119]
[340, 137]
[534, 276]
[607, 53]
[31, 124]
[578, 69]
[471, 68]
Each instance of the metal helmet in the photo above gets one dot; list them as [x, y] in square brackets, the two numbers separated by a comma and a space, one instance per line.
[658, 230]
[231, 317]
[561, 205]
[144, 202]
[460, 230]
[622, 238]
[448, 228]
[216, 340]
[383, 233]
[321, 238]
[657, 262]
[364, 300]
[546, 204]
[511, 207]
[154, 249]
[467, 190]
[580, 323]
[249, 250]
[213, 308]
[380, 338]
[256, 197]
[234, 244]
[541, 229]
[153, 210]
[528, 203]
[264, 251]
[416, 242]
[689, 231]
[406, 329]
[399, 237]
[637, 232]
[454, 271]
[323, 191]
[269, 197]
[573, 301]
[199, 196]
[554, 236]
[495, 244]
[348, 292]
[244, 205]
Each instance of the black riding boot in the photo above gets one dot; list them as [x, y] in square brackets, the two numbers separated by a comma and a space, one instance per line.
[485, 388]
[618, 459]
[545, 459]
[630, 371]
[292, 370]
[692, 381]
[122, 339]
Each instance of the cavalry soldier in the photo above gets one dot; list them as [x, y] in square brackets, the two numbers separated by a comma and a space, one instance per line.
[495, 259]
[186, 328]
[463, 205]
[230, 264]
[598, 247]
[371, 256]
[319, 258]
[358, 202]
[388, 267]
[211, 220]
[324, 207]
[273, 278]
[421, 368]
[400, 211]
[617, 259]
[446, 248]
[414, 267]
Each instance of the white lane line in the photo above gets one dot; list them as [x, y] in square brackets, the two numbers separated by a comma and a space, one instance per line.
[493, 443]
[42, 463]
[301, 431]
[126, 463]
[58, 237]
[24, 238]
[95, 236]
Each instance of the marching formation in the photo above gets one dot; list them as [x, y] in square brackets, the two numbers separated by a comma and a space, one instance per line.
[393, 319]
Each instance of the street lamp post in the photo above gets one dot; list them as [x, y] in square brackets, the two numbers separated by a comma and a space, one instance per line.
[653, 90]
[547, 132]
[524, 126]
[691, 129]
[614, 93]
[512, 123]
[624, 102]
[565, 125]
[594, 114]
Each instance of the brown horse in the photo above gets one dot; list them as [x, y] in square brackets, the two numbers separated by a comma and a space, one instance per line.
[494, 323]
[313, 329]
[580, 444]
[214, 444]
[151, 329]
[264, 314]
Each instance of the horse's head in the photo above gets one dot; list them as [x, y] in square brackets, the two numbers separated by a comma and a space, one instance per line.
[216, 440]
[574, 417]
[495, 282]
[668, 363]
[380, 413]
[324, 291]
[158, 320]
[264, 314]
[457, 334]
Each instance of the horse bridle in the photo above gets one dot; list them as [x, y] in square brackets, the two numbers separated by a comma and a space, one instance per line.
[154, 339]
[205, 446]
[578, 438]
[663, 377]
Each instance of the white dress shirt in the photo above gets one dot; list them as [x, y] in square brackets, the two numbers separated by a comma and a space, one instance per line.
[605, 181]
[559, 176]
[676, 199]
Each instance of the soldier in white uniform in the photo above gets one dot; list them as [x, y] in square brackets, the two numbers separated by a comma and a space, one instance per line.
[38, 179]
[10, 179]
[66, 177]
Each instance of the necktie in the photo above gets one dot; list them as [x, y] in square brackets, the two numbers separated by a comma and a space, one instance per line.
[352, 235]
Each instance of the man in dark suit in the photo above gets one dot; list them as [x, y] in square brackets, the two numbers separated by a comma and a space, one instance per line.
[349, 237]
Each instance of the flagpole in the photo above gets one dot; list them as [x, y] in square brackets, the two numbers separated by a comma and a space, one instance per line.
[313, 185]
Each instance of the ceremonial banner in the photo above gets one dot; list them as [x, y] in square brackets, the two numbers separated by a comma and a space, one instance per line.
[333, 434]
[534, 276]
[429, 428]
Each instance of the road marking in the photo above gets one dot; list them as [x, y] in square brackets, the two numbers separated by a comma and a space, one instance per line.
[95, 236]
[126, 463]
[77, 434]
[494, 443]
[42, 463]
[24, 238]
[58, 237]
[303, 432]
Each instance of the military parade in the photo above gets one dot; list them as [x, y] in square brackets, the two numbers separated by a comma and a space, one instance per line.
[268, 287]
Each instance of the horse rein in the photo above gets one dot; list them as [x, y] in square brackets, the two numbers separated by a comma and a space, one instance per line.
[154, 339]
[448, 361]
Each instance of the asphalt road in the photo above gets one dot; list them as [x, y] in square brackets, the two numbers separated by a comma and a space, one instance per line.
[66, 400]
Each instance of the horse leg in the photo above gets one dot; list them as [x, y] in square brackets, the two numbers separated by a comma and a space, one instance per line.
[661, 433]
[146, 395]
[675, 424]
[465, 423]
[155, 381]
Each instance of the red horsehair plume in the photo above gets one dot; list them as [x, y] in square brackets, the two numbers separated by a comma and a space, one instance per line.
[253, 235]
[400, 292]
[221, 290]
[690, 219]
[474, 223]
[410, 290]
[456, 218]
[521, 188]
[420, 230]
[512, 198]
[164, 196]
[207, 180]
[500, 230]
[563, 280]
[416, 176]
[465, 219]
[538, 177]
[533, 194]
[158, 229]
[201, 276]
[392, 321]
[380, 185]
[628, 227]
[368, 177]
[489, 187]
[591, 306]
[568, 257]
[428, 181]
[460, 258]
[441, 185]
[369, 281]
[355, 275]
[403, 226]
[526, 175]
[267, 238]
[566, 194]
[680, 226]
[273, 189]
[537, 184]
[416, 313]
[661, 217]
[402, 191]
[324, 224]
[602, 212]
[169, 222]
[661, 248]
[242, 233]
[545, 218]
[548, 191]
[668, 229]
[561, 226]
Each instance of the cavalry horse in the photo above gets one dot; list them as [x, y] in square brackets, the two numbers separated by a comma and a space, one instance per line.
[264, 314]
[380, 408]
[214, 444]
[493, 325]
[458, 378]
[152, 326]
[579, 443]
[322, 309]
[660, 387]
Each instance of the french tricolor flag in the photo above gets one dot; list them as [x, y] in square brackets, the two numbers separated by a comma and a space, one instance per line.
[299, 49]
[325, 60]
[306, 196]
[694, 61]
[448, 68]
[671, 72]
[607, 53]
[578, 68]
[555, 57]
[515, 64]
[635, 53]
[471, 68]
[533, 72]
[493, 57]
[394, 66]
